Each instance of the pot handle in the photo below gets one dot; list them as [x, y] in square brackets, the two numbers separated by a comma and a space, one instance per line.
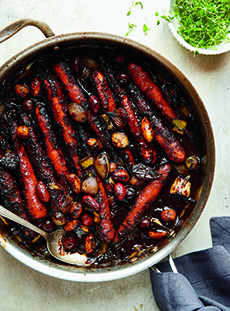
[12, 29]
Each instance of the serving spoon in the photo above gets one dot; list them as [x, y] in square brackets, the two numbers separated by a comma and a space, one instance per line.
[53, 240]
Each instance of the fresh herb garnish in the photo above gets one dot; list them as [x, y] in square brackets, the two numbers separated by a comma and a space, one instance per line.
[131, 26]
[202, 23]
[146, 29]
[133, 6]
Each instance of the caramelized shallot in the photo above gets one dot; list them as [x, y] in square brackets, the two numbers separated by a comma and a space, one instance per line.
[77, 112]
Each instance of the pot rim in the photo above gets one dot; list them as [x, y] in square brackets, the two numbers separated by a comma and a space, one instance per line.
[68, 273]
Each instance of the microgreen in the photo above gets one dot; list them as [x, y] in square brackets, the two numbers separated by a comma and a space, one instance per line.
[202, 23]
[146, 29]
[135, 5]
[131, 27]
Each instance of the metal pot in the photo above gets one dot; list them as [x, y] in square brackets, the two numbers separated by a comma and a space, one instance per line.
[208, 159]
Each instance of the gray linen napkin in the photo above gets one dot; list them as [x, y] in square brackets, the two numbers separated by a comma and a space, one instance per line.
[203, 278]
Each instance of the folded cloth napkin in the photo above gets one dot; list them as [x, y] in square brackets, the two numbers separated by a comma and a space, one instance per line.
[203, 278]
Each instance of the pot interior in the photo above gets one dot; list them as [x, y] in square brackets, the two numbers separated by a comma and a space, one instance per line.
[167, 70]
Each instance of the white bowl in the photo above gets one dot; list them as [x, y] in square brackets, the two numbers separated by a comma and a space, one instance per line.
[174, 25]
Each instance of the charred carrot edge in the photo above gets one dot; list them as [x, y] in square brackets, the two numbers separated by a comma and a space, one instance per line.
[74, 92]
[11, 194]
[143, 80]
[59, 109]
[147, 153]
[143, 202]
[103, 90]
[163, 135]
[42, 166]
[105, 227]
[36, 210]
[54, 151]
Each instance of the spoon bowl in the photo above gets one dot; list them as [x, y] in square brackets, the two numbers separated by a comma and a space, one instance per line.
[54, 241]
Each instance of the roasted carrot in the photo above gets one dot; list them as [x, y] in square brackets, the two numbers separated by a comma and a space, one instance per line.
[35, 209]
[142, 79]
[105, 227]
[59, 109]
[143, 202]
[103, 90]
[74, 92]
[147, 153]
[43, 167]
[162, 133]
[53, 149]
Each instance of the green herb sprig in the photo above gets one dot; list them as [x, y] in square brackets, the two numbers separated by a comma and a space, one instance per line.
[145, 27]
[131, 27]
[202, 23]
[133, 6]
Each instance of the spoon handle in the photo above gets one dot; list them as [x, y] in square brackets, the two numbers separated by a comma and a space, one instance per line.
[6, 213]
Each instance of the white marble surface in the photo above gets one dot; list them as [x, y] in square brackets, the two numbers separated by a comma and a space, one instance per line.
[25, 289]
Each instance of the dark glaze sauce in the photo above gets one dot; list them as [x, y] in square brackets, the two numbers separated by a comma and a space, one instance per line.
[138, 243]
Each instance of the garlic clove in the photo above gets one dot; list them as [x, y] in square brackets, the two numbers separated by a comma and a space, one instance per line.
[120, 140]
[90, 186]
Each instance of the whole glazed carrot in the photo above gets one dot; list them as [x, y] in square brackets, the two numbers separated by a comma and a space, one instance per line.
[69, 82]
[35, 209]
[142, 79]
[103, 90]
[53, 149]
[162, 133]
[105, 227]
[60, 113]
[143, 202]
[43, 167]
